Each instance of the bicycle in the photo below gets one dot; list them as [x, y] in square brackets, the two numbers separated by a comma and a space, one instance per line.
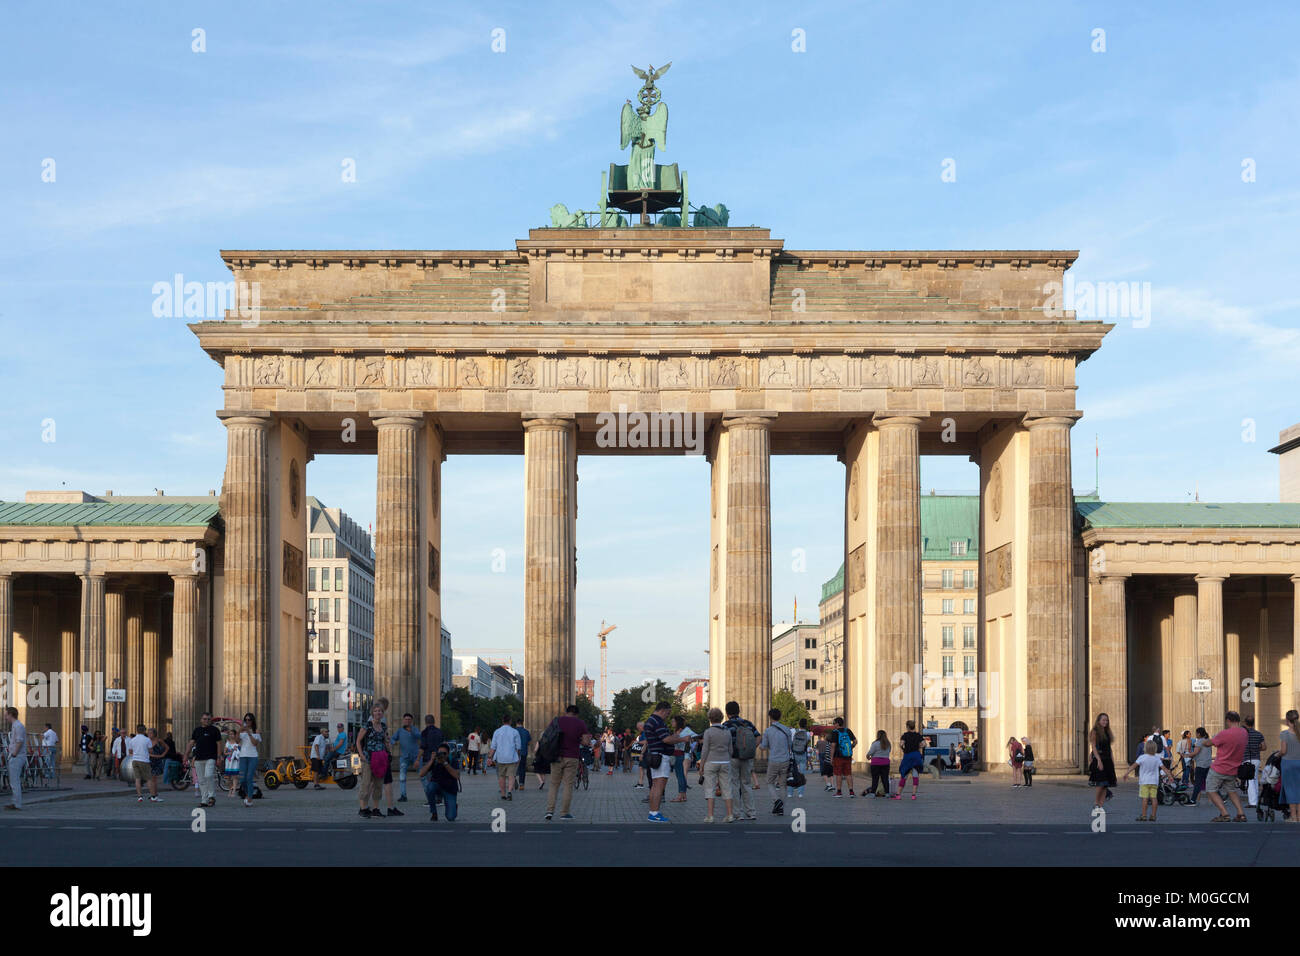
[584, 778]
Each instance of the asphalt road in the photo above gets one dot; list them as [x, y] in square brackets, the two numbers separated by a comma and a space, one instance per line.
[144, 844]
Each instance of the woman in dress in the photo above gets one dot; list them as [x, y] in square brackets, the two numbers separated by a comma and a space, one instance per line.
[1101, 763]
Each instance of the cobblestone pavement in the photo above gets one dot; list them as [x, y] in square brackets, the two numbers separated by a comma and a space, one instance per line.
[967, 802]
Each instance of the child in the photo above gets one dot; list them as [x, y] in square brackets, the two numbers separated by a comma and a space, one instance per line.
[1150, 766]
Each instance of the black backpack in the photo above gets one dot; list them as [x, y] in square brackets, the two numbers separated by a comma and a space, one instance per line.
[548, 747]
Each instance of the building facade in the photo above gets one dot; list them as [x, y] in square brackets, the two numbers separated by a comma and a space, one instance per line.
[796, 662]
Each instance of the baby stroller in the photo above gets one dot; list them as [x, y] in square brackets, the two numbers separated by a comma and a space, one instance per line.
[1270, 787]
[1167, 794]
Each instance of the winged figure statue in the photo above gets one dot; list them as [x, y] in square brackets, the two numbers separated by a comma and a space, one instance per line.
[644, 128]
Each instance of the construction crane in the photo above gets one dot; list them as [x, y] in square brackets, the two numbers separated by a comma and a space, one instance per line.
[604, 674]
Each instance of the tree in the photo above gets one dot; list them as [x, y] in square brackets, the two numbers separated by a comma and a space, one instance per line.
[633, 704]
[792, 710]
[589, 713]
[697, 719]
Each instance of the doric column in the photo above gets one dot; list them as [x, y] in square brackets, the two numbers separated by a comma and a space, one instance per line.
[550, 566]
[114, 652]
[1210, 644]
[245, 505]
[898, 572]
[187, 656]
[397, 565]
[133, 712]
[7, 633]
[749, 564]
[1108, 652]
[66, 720]
[1295, 642]
[1186, 709]
[152, 702]
[1050, 658]
[94, 663]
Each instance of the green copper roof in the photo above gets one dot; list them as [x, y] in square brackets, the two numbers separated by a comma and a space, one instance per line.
[1187, 514]
[105, 513]
[835, 585]
[948, 518]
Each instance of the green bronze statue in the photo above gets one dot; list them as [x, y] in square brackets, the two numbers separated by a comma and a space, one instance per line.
[645, 128]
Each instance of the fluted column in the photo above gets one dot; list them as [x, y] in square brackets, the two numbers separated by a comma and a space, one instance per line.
[68, 609]
[245, 505]
[114, 652]
[898, 572]
[1186, 709]
[550, 566]
[1210, 662]
[7, 632]
[397, 565]
[186, 702]
[93, 647]
[133, 712]
[152, 660]
[1295, 642]
[1049, 662]
[749, 564]
[1108, 650]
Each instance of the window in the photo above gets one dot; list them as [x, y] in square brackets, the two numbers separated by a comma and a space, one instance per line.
[947, 637]
[336, 673]
[968, 636]
[945, 697]
[327, 547]
[336, 640]
[324, 614]
[968, 579]
[811, 705]
[338, 603]
[338, 579]
[323, 672]
[311, 579]
[810, 664]
[956, 547]
[968, 665]
[947, 580]
[947, 665]
[968, 606]
[970, 697]
[313, 548]
[947, 605]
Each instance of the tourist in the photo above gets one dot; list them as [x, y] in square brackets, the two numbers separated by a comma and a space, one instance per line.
[1015, 760]
[17, 757]
[1027, 762]
[388, 773]
[1167, 749]
[441, 781]
[249, 739]
[472, 746]
[373, 746]
[878, 761]
[913, 761]
[230, 760]
[171, 760]
[317, 758]
[843, 741]
[339, 746]
[777, 740]
[715, 766]
[1187, 769]
[639, 753]
[157, 757]
[139, 746]
[744, 745]
[1229, 751]
[1254, 742]
[541, 768]
[1101, 763]
[505, 754]
[97, 755]
[681, 751]
[609, 744]
[50, 741]
[87, 755]
[1290, 752]
[408, 752]
[525, 738]
[660, 741]
[800, 747]
[825, 763]
[1150, 767]
[1202, 757]
[122, 756]
[573, 735]
[205, 739]
[431, 738]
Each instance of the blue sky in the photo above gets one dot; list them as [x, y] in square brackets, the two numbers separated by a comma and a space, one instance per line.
[163, 155]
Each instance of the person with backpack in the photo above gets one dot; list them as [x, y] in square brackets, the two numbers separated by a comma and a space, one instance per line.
[715, 766]
[778, 744]
[87, 754]
[744, 746]
[801, 753]
[559, 747]
[843, 741]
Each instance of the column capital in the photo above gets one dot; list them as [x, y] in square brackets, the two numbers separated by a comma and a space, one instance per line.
[244, 416]
[1295, 578]
[1102, 577]
[900, 416]
[392, 416]
[748, 418]
[549, 420]
[1211, 578]
[1059, 419]
[185, 575]
[91, 574]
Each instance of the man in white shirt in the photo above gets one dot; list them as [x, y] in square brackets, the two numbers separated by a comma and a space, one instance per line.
[138, 749]
[505, 753]
[17, 756]
[318, 746]
[50, 746]
[122, 755]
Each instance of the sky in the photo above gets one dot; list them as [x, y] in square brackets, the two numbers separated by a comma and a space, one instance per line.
[132, 148]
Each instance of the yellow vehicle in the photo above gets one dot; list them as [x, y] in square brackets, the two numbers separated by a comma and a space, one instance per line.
[297, 771]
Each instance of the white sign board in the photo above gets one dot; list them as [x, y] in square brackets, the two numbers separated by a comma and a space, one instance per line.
[115, 695]
[1200, 686]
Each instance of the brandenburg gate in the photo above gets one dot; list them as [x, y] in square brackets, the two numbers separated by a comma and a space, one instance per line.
[876, 357]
